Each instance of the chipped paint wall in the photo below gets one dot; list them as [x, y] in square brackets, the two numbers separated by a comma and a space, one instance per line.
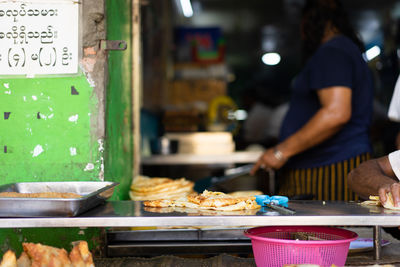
[52, 129]
[45, 130]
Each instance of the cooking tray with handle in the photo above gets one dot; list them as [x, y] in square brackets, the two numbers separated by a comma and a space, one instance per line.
[92, 194]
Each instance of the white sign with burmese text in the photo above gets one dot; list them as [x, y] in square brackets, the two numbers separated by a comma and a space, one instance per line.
[39, 37]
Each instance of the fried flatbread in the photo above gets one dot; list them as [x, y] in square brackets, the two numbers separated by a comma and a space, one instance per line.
[162, 203]
[201, 212]
[371, 203]
[158, 196]
[248, 193]
[146, 188]
[389, 204]
[207, 200]
[159, 210]
[215, 201]
[375, 201]
[146, 184]
[171, 193]
[173, 187]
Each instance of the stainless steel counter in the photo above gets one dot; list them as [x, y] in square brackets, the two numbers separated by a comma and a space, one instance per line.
[131, 214]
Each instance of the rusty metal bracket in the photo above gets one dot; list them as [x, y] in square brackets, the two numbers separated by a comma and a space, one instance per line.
[113, 45]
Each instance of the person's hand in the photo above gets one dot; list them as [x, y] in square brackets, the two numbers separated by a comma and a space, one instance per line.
[392, 188]
[270, 159]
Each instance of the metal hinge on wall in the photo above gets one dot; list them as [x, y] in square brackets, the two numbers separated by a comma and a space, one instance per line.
[113, 45]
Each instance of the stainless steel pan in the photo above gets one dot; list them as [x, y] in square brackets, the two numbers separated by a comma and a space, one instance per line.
[93, 194]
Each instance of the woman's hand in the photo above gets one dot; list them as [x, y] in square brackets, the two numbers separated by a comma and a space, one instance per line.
[271, 158]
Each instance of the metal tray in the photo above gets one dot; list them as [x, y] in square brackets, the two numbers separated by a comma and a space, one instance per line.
[93, 194]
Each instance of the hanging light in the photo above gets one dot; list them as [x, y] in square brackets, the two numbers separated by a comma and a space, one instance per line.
[186, 8]
[372, 53]
[271, 59]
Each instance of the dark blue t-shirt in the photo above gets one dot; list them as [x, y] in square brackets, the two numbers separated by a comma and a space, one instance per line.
[337, 62]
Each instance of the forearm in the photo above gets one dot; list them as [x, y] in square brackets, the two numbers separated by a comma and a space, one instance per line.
[335, 111]
[319, 128]
[368, 178]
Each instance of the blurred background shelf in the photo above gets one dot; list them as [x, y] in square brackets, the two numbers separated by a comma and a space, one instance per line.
[179, 159]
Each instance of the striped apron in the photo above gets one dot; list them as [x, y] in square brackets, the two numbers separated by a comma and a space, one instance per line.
[324, 183]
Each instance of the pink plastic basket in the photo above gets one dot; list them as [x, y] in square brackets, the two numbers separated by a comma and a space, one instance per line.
[276, 246]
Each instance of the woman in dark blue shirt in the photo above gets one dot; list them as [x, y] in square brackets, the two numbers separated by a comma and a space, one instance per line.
[325, 133]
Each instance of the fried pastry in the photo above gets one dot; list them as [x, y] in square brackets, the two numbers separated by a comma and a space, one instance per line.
[38, 255]
[80, 255]
[9, 259]
[46, 256]
[23, 260]
[76, 258]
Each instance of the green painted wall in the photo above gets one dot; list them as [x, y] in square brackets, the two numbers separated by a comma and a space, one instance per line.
[46, 124]
[118, 147]
[46, 131]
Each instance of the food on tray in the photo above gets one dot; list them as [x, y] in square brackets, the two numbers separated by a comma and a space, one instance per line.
[248, 193]
[39, 195]
[146, 188]
[38, 255]
[374, 201]
[208, 200]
